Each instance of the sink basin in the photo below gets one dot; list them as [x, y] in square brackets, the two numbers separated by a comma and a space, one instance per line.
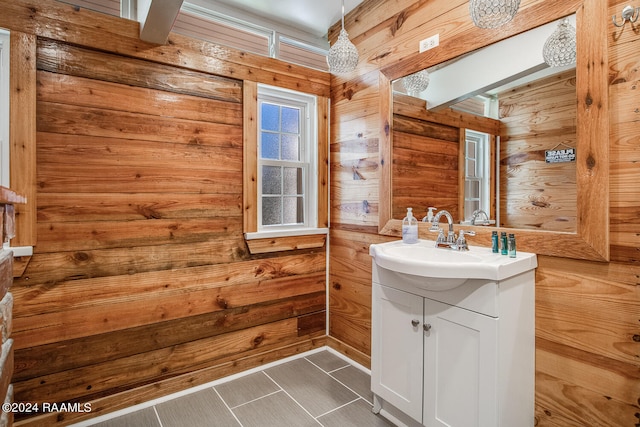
[446, 268]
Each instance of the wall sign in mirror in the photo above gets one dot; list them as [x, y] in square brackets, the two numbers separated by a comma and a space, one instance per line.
[456, 152]
[500, 100]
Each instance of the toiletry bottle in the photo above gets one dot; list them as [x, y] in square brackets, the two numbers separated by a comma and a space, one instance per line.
[503, 245]
[495, 247]
[512, 246]
[409, 228]
[430, 214]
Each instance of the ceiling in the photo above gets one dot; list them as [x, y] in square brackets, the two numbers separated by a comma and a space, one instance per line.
[313, 17]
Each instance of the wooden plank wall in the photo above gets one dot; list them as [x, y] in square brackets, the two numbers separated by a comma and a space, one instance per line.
[141, 283]
[425, 164]
[588, 313]
[427, 156]
[538, 117]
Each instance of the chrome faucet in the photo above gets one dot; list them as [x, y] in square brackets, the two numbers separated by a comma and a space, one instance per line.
[477, 214]
[435, 225]
[450, 241]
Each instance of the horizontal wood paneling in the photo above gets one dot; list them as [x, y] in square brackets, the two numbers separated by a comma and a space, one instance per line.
[141, 278]
[536, 117]
[587, 312]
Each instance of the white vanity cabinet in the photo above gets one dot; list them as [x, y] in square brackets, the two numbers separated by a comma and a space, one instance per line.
[461, 357]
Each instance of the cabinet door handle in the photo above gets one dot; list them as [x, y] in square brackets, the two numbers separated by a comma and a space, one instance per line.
[415, 323]
[426, 327]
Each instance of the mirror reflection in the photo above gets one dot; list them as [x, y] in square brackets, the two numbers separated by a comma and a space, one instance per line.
[491, 139]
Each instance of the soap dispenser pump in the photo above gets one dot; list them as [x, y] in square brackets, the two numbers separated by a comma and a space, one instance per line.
[430, 214]
[410, 228]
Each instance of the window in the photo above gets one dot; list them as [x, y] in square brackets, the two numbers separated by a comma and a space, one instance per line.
[286, 169]
[477, 182]
[287, 178]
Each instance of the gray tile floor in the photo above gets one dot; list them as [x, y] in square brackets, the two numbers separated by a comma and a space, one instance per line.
[320, 389]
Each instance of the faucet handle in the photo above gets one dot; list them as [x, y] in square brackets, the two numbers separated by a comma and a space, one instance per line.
[461, 242]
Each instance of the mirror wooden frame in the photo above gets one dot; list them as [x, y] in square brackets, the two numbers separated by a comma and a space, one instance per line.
[591, 239]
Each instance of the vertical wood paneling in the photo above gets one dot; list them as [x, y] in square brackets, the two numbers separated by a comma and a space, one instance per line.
[22, 137]
[250, 157]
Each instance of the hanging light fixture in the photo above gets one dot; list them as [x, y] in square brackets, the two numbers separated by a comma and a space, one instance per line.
[492, 13]
[343, 55]
[416, 82]
[560, 48]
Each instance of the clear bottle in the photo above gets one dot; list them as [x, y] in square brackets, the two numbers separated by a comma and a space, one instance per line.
[512, 246]
[410, 228]
[430, 214]
[504, 250]
[495, 247]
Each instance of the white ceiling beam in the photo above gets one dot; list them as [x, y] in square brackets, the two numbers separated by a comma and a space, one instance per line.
[156, 19]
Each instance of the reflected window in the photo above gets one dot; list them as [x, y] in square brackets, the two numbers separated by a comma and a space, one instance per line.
[477, 174]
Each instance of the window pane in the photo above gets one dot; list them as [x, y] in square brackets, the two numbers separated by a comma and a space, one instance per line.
[290, 147]
[293, 211]
[271, 210]
[270, 146]
[292, 181]
[471, 149]
[471, 168]
[271, 180]
[290, 120]
[472, 190]
[470, 206]
[270, 117]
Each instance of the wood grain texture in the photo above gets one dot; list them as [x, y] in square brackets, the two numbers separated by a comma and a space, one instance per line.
[250, 158]
[587, 312]
[537, 117]
[591, 239]
[22, 138]
[141, 278]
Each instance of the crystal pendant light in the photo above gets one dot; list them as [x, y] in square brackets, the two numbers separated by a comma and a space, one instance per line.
[416, 82]
[493, 13]
[560, 47]
[343, 55]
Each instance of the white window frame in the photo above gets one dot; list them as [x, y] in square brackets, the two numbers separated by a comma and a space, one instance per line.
[308, 159]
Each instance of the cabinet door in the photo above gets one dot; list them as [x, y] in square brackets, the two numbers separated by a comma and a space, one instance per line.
[396, 338]
[460, 372]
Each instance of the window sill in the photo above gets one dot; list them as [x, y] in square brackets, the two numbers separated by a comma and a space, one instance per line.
[286, 240]
[21, 257]
[19, 251]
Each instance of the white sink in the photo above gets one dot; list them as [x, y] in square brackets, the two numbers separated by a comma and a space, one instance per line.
[447, 268]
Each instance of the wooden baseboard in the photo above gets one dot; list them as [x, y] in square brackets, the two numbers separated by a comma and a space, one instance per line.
[351, 352]
[160, 389]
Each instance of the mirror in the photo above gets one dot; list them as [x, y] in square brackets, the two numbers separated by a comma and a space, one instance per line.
[589, 237]
[499, 100]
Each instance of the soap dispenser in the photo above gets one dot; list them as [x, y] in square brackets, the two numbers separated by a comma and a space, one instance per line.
[410, 228]
[430, 214]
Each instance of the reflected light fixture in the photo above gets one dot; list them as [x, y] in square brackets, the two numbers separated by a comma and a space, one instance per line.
[416, 82]
[560, 48]
[343, 55]
[492, 13]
